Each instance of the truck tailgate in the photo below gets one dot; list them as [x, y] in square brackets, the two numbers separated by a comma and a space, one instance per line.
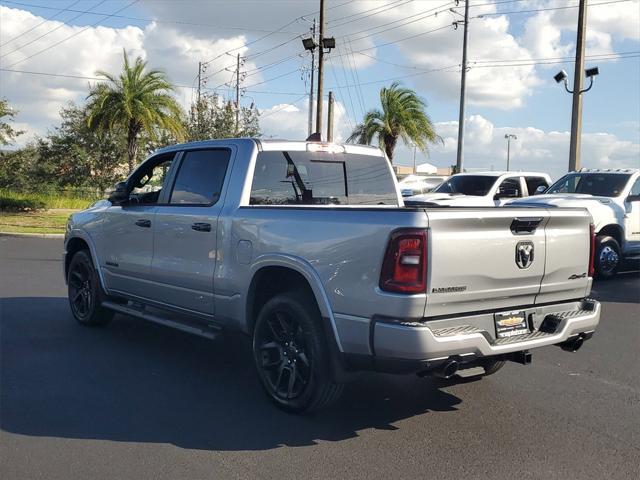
[498, 258]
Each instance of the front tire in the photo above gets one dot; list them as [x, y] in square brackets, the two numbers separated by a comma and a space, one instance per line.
[291, 355]
[84, 292]
[608, 257]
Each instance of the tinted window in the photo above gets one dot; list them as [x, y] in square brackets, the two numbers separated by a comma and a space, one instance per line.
[599, 184]
[306, 178]
[147, 182]
[200, 177]
[635, 190]
[534, 182]
[510, 188]
[476, 185]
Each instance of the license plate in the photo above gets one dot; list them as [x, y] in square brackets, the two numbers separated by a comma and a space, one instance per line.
[510, 324]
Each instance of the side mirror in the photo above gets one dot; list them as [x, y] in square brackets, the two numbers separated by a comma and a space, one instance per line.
[633, 198]
[540, 189]
[120, 194]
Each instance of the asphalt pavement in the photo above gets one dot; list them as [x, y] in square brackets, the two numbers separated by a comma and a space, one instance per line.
[137, 400]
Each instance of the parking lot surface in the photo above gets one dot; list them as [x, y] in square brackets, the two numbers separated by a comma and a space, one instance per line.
[137, 400]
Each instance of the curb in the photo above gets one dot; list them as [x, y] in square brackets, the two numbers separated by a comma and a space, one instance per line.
[32, 235]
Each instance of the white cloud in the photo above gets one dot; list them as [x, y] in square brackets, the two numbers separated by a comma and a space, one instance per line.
[534, 150]
[290, 121]
[39, 98]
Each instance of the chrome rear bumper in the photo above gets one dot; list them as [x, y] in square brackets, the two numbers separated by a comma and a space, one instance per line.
[471, 336]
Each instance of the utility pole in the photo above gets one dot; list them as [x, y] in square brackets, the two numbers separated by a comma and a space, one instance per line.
[238, 96]
[576, 111]
[463, 87]
[313, 73]
[330, 118]
[509, 136]
[320, 71]
[199, 82]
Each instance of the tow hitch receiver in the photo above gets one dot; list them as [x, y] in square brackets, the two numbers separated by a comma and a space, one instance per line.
[523, 357]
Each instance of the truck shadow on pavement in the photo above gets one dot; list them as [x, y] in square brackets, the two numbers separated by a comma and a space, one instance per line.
[137, 382]
[622, 289]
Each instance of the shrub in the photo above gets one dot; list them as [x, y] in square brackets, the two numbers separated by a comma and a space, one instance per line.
[17, 204]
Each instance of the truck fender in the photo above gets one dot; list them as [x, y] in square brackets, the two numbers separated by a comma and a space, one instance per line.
[83, 235]
[304, 268]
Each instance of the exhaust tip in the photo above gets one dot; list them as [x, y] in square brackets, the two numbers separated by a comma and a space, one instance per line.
[448, 370]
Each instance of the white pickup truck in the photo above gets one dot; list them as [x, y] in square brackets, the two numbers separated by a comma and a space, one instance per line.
[612, 197]
[482, 189]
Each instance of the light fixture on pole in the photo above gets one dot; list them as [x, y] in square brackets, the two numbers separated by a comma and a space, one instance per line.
[509, 137]
[576, 112]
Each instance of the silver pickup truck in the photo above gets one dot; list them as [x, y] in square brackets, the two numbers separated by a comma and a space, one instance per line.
[308, 248]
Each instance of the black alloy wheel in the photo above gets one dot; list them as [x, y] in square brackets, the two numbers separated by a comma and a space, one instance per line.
[284, 355]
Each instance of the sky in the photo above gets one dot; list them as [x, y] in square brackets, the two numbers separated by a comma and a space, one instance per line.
[50, 52]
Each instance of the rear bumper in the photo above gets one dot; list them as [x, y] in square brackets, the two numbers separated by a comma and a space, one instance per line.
[474, 337]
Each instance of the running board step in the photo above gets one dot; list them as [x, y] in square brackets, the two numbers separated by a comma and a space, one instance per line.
[210, 332]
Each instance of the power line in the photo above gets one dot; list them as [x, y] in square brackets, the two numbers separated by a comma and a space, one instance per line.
[523, 62]
[391, 5]
[404, 21]
[49, 32]
[157, 20]
[279, 109]
[534, 10]
[59, 11]
[339, 89]
[274, 78]
[101, 79]
[71, 36]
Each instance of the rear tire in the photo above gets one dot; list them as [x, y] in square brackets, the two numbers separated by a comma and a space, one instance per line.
[85, 293]
[608, 257]
[291, 354]
[491, 366]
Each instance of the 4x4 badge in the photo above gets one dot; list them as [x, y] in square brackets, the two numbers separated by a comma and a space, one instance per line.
[524, 254]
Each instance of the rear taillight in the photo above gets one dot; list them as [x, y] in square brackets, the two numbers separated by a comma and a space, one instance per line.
[404, 269]
[592, 249]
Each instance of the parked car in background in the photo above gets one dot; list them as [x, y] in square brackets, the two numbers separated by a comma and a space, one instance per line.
[418, 184]
[482, 189]
[308, 249]
[612, 197]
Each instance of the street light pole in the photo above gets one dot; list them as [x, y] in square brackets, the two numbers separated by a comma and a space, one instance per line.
[320, 71]
[576, 110]
[509, 136]
[313, 73]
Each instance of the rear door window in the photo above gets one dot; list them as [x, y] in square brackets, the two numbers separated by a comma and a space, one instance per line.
[306, 178]
[200, 177]
[510, 188]
[534, 182]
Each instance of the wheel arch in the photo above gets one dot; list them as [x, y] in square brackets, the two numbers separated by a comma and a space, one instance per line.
[280, 273]
[79, 240]
[615, 231]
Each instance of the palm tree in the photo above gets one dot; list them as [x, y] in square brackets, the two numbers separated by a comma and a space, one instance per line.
[137, 101]
[403, 116]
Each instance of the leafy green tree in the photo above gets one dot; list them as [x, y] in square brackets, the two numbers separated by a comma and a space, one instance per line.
[80, 155]
[7, 133]
[71, 156]
[138, 101]
[212, 118]
[403, 115]
[15, 166]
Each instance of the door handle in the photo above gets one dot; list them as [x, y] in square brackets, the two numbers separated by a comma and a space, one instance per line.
[143, 222]
[523, 226]
[201, 227]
